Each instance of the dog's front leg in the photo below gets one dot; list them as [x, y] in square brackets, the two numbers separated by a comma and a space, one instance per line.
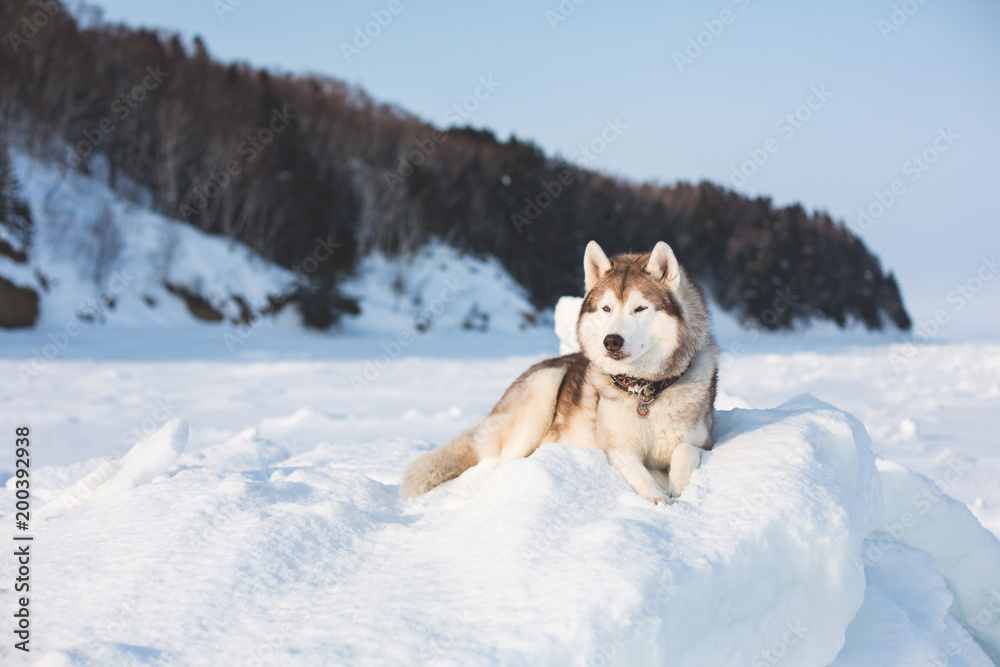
[630, 465]
[684, 460]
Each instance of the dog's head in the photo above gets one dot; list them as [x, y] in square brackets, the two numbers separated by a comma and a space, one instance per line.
[633, 318]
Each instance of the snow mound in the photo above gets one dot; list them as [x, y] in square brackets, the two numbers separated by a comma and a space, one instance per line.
[919, 514]
[246, 550]
[146, 460]
[566, 314]
[904, 619]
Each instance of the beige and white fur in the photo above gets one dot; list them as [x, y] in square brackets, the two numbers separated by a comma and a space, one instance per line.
[641, 316]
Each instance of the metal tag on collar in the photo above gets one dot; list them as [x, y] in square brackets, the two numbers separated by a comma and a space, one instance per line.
[645, 398]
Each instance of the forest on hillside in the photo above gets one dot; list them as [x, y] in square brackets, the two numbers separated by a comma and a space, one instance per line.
[283, 162]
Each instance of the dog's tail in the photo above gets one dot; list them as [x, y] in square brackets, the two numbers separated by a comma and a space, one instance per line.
[513, 429]
[436, 467]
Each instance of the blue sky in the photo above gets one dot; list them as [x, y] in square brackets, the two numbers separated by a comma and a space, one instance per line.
[886, 92]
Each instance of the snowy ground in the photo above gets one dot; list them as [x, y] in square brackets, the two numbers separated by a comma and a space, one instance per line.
[277, 534]
[222, 494]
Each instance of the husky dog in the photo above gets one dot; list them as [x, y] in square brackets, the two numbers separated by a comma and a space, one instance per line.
[642, 389]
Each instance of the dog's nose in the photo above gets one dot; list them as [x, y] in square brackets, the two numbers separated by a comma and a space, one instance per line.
[613, 342]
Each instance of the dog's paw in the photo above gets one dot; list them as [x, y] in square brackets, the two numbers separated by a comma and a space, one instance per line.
[675, 489]
[658, 499]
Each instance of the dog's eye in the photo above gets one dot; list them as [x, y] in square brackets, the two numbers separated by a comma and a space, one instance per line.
[640, 309]
[606, 309]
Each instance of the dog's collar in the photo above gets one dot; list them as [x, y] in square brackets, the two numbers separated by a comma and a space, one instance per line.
[646, 390]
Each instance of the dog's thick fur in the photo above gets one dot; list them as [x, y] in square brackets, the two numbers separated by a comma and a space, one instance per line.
[643, 317]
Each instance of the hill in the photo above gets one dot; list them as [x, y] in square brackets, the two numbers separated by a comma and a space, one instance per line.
[81, 253]
[279, 162]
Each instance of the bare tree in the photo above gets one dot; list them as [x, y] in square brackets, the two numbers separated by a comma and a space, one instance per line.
[107, 244]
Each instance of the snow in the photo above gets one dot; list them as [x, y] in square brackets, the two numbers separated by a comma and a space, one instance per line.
[274, 531]
[437, 288]
[434, 287]
[196, 497]
[566, 313]
[146, 460]
[278, 531]
[303, 553]
[68, 208]
[920, 514]
[904, 619]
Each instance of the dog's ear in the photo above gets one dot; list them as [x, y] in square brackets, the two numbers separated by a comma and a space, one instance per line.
[663, 265]
[595, 264]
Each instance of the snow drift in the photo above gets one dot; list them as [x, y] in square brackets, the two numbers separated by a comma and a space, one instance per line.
[244, 550]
